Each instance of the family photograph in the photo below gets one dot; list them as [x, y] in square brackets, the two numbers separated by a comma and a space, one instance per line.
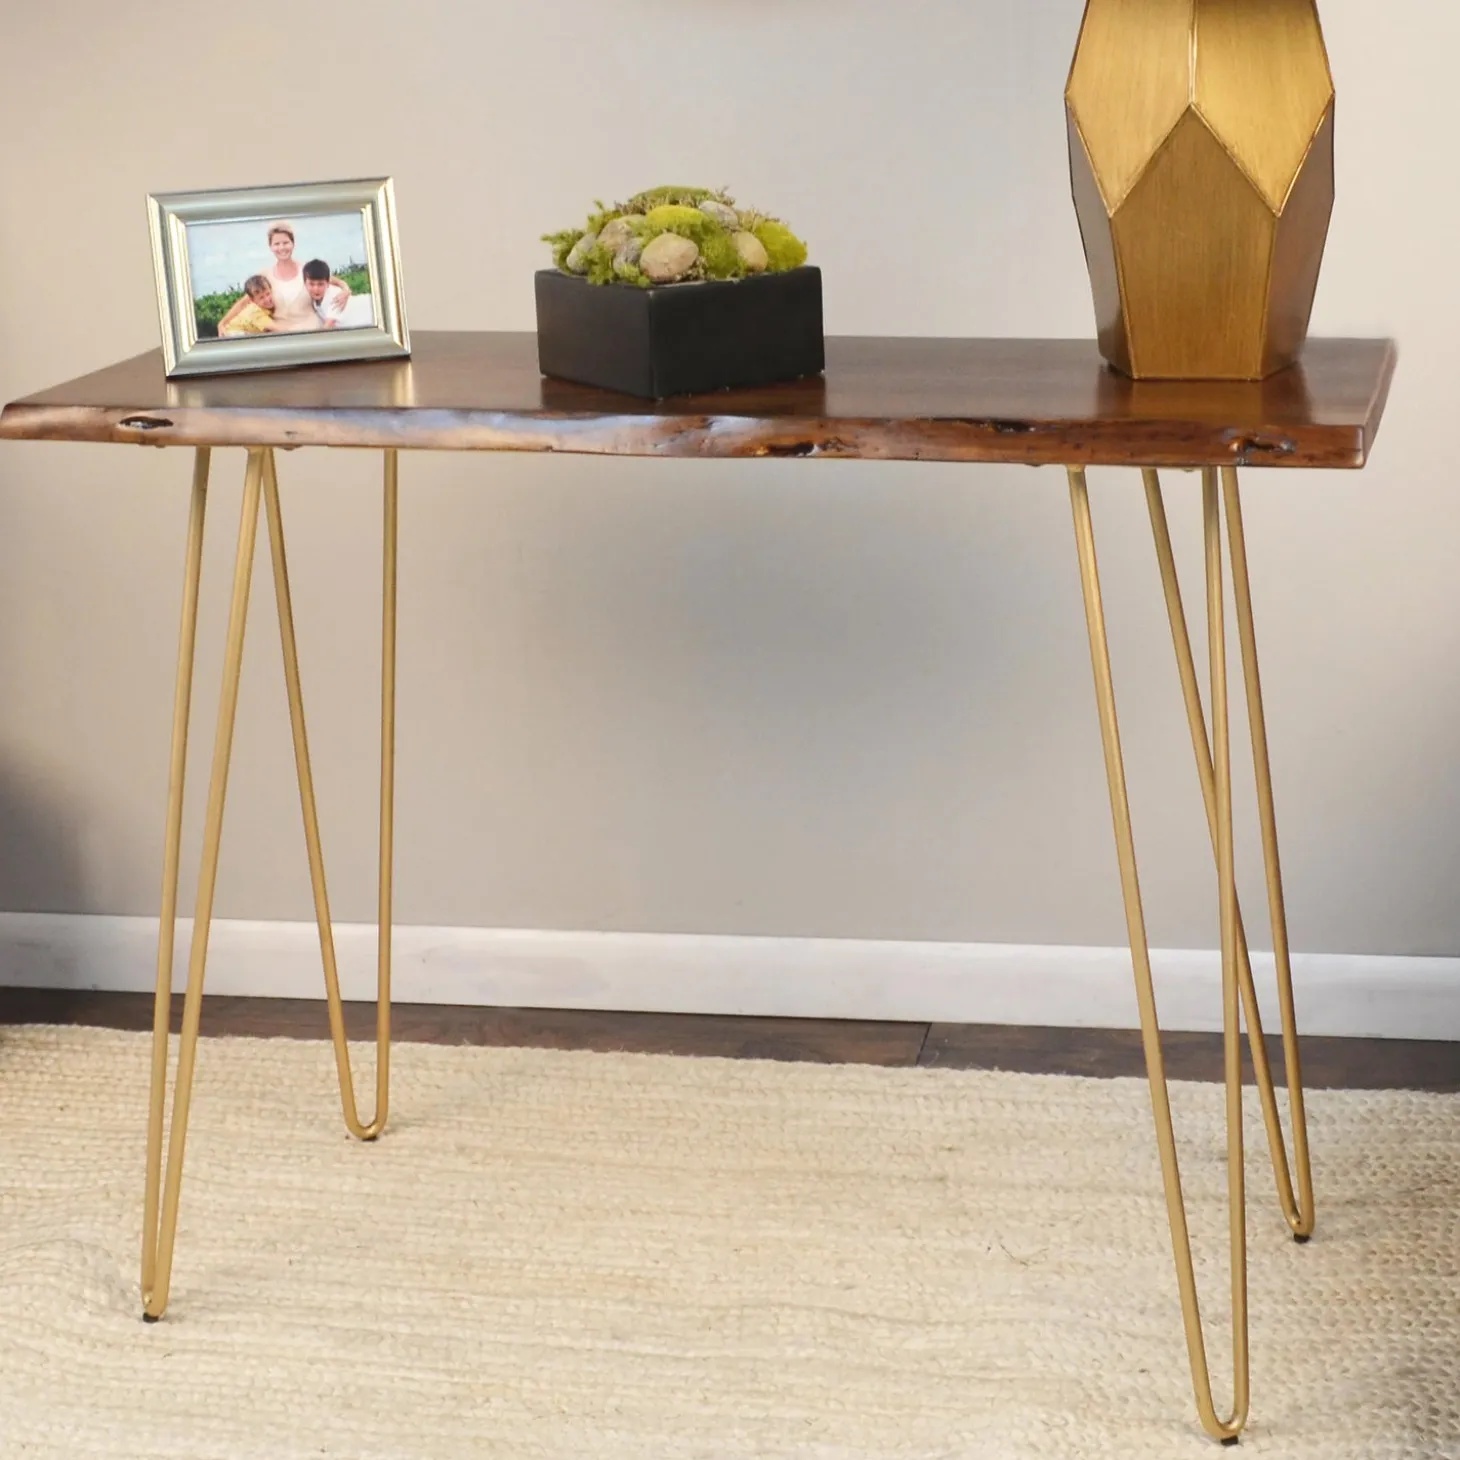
[280, 276]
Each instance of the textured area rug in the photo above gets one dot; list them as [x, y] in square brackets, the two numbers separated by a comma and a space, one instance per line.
[608, 1255]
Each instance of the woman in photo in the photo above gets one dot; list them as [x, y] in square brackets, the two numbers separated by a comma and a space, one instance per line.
[293, 307]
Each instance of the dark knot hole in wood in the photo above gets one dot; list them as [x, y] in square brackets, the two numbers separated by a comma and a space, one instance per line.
[1246, 447]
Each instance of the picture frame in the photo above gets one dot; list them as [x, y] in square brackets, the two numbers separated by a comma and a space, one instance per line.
[229, 299]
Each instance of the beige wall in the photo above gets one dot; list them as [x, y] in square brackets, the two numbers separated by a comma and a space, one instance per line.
[794, 697]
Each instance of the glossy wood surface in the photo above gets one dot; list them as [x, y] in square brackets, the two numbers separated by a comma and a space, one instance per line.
[1328, 1063]
[1038, 402]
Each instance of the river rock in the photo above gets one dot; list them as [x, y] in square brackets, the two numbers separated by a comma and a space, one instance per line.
[725, 216]
[668, 257]
[577, 259]
[617, 232]
[752, 252]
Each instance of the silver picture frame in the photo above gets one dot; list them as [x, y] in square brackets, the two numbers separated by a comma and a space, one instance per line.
[185, 353]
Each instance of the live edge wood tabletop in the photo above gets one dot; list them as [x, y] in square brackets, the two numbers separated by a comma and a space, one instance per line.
[1041, 402]
[1037, 402]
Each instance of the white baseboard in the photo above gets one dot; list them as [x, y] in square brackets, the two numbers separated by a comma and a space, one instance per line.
[982, 983]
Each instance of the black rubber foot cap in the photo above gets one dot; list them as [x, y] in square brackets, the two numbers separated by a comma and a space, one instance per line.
[152, 1318]
[1232, 1439]
[1302, 1239]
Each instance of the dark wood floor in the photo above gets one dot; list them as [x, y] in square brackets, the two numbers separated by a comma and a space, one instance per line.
[1327, 1063]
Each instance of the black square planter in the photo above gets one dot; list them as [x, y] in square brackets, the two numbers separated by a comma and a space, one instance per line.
[680, 339]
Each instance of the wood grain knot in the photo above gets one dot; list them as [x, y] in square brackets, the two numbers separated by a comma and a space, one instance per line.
[145, 423]
[1245, 448]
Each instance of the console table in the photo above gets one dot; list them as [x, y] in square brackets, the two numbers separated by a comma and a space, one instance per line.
[1038, 402]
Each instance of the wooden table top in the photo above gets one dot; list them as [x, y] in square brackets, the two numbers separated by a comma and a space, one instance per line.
[888, 398]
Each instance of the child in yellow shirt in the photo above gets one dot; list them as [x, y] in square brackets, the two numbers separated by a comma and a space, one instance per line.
[257, 316]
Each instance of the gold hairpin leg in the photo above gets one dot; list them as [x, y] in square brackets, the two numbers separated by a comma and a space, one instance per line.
[172, 845]
[160, 1229]
[311, 815]
[1298, 1213]
[260, 481]
[1218, 1428]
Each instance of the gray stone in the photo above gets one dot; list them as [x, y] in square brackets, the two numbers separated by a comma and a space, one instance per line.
[577, 260]
[725, 216]
[617, 233]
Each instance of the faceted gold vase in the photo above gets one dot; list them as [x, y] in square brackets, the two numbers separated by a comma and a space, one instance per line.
[1201, 161]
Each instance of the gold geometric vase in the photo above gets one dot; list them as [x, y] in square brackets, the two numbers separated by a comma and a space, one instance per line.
[1201, 161]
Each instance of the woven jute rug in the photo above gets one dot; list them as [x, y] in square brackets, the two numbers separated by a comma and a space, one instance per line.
[609, 1255]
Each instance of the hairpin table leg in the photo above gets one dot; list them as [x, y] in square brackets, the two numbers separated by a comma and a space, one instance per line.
[311, 814]
[1222, 1429]
[1298, 1212]
[160, 1230]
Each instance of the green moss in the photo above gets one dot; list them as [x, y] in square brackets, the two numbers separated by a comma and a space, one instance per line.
[659, 197]
[720, 256]
[600, 265]
[603, 215]
[604, 268]
[678, 218]
[562, 243]
[784, 249]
